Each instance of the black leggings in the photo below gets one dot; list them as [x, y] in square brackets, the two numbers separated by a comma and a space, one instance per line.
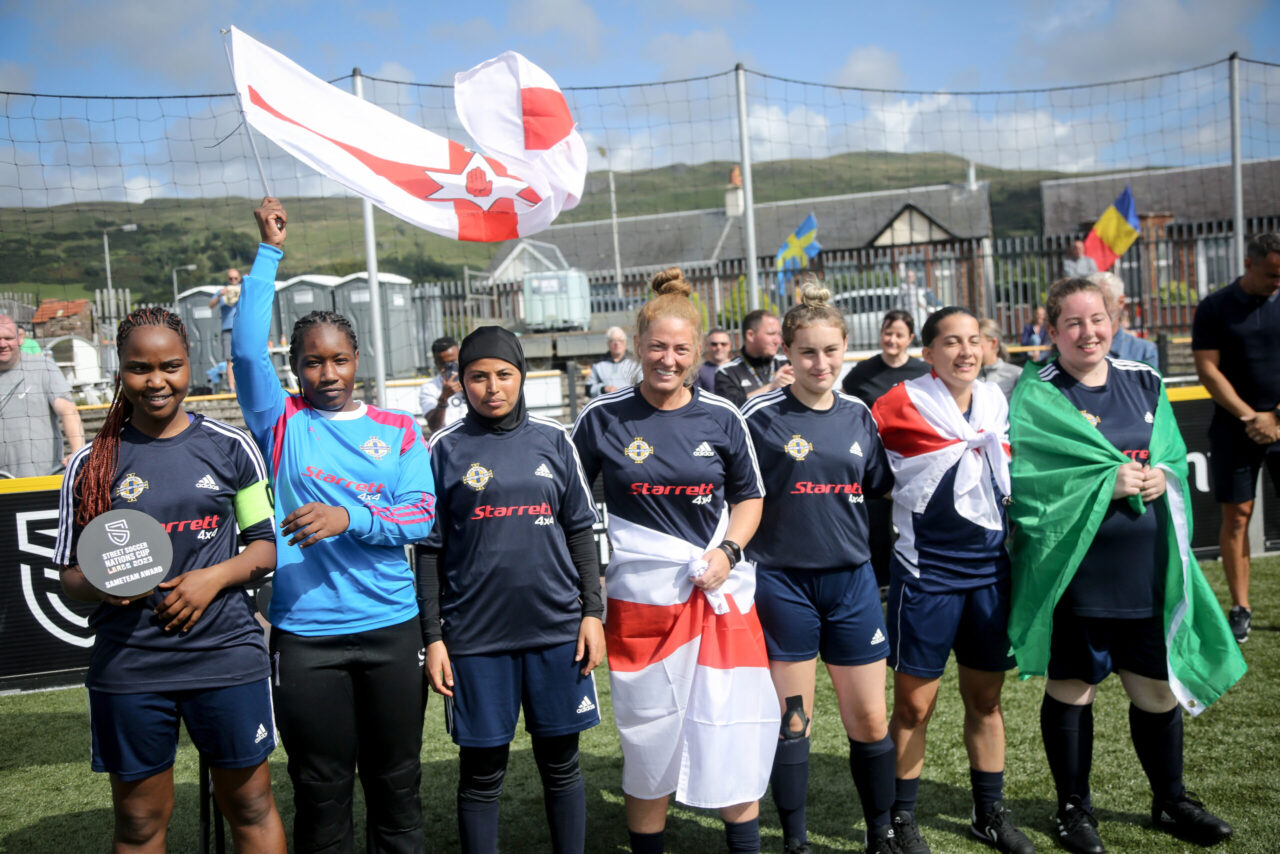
[480, 774]
[343, 701]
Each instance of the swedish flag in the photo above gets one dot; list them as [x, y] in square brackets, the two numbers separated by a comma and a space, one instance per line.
[798, 248]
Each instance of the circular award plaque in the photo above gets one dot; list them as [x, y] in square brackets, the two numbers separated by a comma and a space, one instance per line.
[124, 553]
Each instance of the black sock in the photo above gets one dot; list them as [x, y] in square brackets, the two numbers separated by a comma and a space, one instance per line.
[480, 773]
[743, 837]
[645, 843]
[905, 794]
[871, 763]
[1067, 731]
[563, 791]
[789, 783]
[987, 788]
[1157, 736]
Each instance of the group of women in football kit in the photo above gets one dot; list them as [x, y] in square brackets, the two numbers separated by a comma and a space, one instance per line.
[740, 554]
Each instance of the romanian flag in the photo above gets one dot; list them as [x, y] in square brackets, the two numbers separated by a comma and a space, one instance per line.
[1114, 232]
[797, 249]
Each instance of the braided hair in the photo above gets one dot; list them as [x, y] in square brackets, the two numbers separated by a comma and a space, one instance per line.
[93, 484]
[312, 320]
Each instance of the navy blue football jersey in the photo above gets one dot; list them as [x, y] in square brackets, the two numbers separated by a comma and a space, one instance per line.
[504, 503]
[188, 483]
[819, 466]
[1118, 577]
[668, 470]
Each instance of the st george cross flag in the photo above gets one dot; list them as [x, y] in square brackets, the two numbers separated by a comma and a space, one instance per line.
[532, 165]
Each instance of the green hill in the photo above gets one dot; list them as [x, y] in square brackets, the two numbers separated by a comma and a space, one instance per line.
[57, 251]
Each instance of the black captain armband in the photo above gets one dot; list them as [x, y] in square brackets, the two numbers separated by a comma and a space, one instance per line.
[732, 550]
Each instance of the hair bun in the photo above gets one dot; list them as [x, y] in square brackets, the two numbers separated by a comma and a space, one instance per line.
[813, 294]
[671, 281]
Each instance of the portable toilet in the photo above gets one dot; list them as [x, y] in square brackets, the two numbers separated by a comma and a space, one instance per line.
[351, 298]
[204, 326]
[557, 299]
[298, 297]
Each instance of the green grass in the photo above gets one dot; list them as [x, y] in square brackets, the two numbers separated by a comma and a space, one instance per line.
[51, 802]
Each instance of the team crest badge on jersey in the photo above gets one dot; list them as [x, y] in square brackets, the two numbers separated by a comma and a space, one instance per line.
[132, 487]
[798, 448]
[639, 450]
[1091, 418]
[477, 477]
[375, 447]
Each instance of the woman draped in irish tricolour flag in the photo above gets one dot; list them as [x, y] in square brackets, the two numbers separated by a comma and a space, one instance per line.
[1104, 579]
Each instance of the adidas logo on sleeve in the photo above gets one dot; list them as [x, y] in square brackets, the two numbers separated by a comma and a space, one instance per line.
[703, 450]
[586, 706]
[878, 638]
[855, 449]
[206, 482]
[261, 735]
[543, 471]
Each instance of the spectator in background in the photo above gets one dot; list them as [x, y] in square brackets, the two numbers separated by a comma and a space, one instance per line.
[1035, 334]
[616, 372]
[995, 367]
[441, 396]
[226, 302]
[759, 368]
[869, 379]
[32, 392]
[1078, 265]
[719, 351]
[1124, 345]
[25, 344]
[1236, 343]
[872, 377]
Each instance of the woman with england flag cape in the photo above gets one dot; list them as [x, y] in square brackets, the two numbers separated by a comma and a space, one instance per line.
[688, 670]
[1104, 579]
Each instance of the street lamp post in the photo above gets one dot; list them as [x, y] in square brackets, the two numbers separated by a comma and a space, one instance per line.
[188, 268]
[106, 254]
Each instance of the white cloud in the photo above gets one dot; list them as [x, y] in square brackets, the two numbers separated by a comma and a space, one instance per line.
[870, 67]
[679, 55]
[1102, 40]
[703, 9]
[572, 21]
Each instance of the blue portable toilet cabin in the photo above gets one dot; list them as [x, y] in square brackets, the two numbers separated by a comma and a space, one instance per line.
[351, 298]
[204, 325]
[298, 297]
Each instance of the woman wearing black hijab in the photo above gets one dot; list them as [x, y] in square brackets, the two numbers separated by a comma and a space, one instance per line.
[509, 583]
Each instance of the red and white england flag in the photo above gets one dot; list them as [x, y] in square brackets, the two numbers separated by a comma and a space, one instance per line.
[531, 166]
[695, 706]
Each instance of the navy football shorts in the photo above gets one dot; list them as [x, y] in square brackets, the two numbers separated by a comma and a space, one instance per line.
[1090, 648]
[832, 612]
[490, 689]
[135, 736]
[925, 627]
[1234, 462]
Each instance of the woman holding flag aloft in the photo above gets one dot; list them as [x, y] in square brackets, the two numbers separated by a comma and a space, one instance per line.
[1104, 579]
[692, 698]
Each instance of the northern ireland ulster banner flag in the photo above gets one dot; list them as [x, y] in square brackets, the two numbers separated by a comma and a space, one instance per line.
[531, 166]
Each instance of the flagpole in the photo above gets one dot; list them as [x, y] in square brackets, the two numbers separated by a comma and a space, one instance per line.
[375, 291]
[253, 145]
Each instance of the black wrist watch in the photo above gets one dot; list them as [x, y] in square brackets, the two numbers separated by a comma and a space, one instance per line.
[732, 550]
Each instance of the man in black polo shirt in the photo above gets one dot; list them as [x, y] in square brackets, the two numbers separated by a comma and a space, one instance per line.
[1236, 340]
[761, 367]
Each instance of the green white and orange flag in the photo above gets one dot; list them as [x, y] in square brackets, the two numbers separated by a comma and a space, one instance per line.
[1114, 232]
[1063, 473]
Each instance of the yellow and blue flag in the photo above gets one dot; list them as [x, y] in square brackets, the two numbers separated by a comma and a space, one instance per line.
[797, 249]
[1114, 232]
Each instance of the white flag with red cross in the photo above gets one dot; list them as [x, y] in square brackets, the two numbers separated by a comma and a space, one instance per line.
[531, 166]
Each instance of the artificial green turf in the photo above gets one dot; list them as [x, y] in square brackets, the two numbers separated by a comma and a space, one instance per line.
[51, 802]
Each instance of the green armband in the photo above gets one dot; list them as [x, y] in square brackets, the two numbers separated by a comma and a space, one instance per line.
[253, 504]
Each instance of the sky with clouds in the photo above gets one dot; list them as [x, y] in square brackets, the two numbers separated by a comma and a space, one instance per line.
[950, 58]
